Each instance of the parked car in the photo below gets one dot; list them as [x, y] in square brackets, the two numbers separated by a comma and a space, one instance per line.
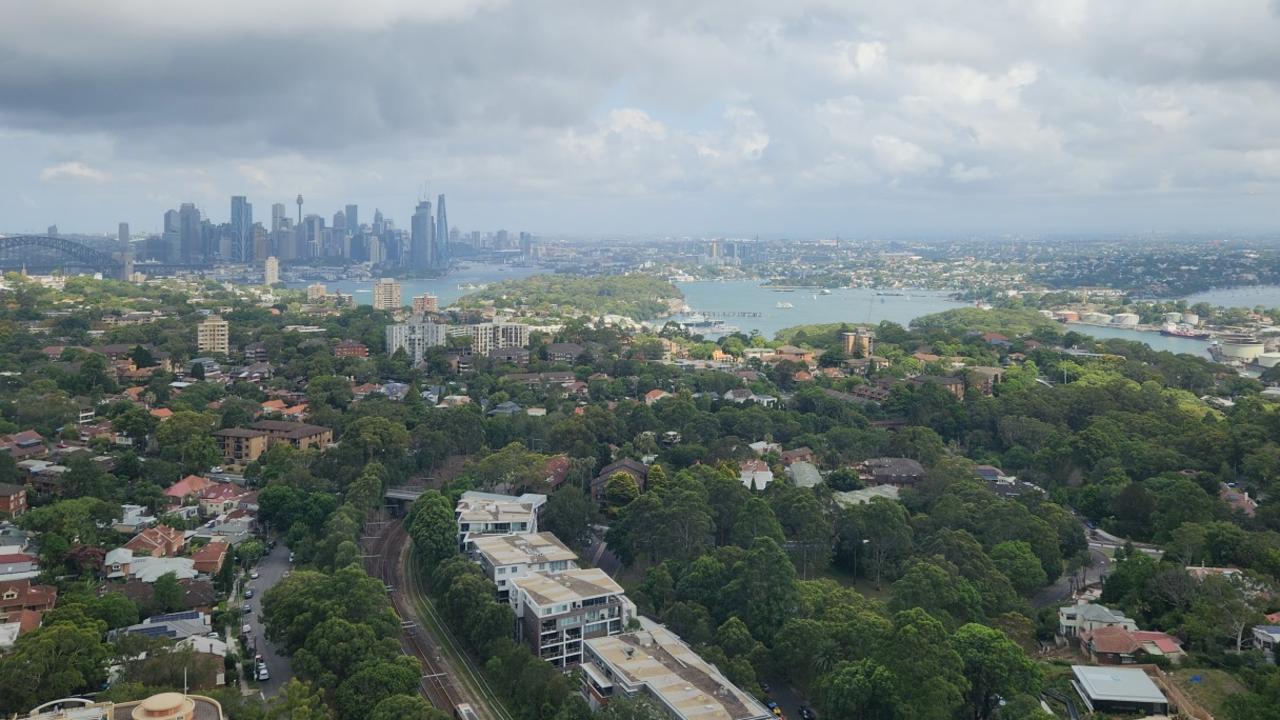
[806, 713]
[247, 608]
[253, 575]
[248, 593]
[262, 672]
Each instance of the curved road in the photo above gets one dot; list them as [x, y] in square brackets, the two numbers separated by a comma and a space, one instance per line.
[1062, 589]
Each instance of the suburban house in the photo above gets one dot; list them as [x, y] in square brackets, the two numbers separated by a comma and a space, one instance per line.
[901, 472]
[24, 445]
[1115, 645]
[743, 395]
[299, 435]
[1086, 617]
[1113, 690]
[220, 498]
[755, 474]
[490, 514]
[159, 541]
[118, 563]
[655, 395]
[351, 348]
[557, 612]
[241, 446]
[13, 500]
[507, 557]
[636, 469]
[18, 596]
[208, 559]
[800, 454]
[188, 488]
[18, 566]
[174, 626]
[1266, 638]
[656, 663]
[148, 569]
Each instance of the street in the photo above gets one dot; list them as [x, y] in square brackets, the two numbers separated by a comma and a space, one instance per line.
[270, 570]
[1061, 590]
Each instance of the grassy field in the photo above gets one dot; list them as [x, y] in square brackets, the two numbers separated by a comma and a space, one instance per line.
[1214, 688]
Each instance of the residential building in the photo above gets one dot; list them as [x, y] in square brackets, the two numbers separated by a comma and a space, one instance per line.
[655, 395]
[241, 446]
[317, 291]
[507, 557]
[1267, 638]
[208, 559]
[148, 569]
[481, 513]
[220, 499]
[859, 343]
[564, 352]
[636, 469]
[557, 612]
[415, 336]
[187, 488]
[1087, 617]
[350, 348]
[299, 435]
[985, 379]
[656, 663]
[902, 472]
[386, 295]
[165, 706]
[953, 385]
[159, 541]
[513, 355]
[486, 337]
[1118, 691]
[18, 566]
[421, 236]
[213, 336]
[24, 445]
[118, 563]
[1115, 645]
[174, 626]
[17, 596]
[423, 304]
[13, 500]
[271, 271]
[755, 474]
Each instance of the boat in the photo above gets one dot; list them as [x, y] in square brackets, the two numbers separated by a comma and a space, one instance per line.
[1184, 331]
[889, 294]
[784, 306]
[824, 291]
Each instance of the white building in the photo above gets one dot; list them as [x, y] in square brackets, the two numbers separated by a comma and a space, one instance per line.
[1073, 620]
[491, 514]
[655, 662]
[415, 337]
[507, 557]
[497, 336]
[213, 336]
[271, 271]
[557, 612]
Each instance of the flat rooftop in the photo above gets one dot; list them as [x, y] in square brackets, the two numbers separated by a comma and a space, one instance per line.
[568, 587]
[1117, 684]
[500, 550]
[493, 511]
[675, 675]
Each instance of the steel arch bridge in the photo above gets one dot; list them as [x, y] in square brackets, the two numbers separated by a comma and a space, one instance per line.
[76, 252]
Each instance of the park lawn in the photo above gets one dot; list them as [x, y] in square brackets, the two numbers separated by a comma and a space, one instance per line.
[864, 586]
[1214, 688]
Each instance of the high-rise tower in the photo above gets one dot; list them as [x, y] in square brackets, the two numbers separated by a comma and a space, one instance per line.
[353, 219]
[241, 228]
[420, 238]
[440, 254]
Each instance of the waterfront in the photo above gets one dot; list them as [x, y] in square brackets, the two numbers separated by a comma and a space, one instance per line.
[1268, 296]
[1153, 339]
[445, 289]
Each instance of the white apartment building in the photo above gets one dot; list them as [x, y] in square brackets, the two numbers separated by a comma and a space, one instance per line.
[271, 271]
[507, 557]
[656, 662]
[558, 612]
[415, 337]
[497, 336]
[481, 513]
[213, 336]
[386, 295]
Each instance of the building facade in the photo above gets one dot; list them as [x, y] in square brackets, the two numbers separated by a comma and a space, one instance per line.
[558, 612]
[271, 271]
[414, 337]
[214, 336]
[386, 295]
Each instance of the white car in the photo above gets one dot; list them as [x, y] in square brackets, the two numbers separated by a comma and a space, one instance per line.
[253, 575]
[262, 672]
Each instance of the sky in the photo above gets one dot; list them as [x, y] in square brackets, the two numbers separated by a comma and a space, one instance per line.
[805, 118]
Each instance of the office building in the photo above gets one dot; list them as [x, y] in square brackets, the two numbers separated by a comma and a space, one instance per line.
[340, 221]
[52, 231]
[190, 234]
[271, 271]
[414, 337]
[440, 251]
[526, 246]
[353, 219]
[213, 336]
[241, 228]
[122, 234]
[558, 612]
[386, 295]
[656, 663]
[312, 244]
[504, 558]
[422, 230]
[423, 304]
[486, 337]
[261, 243]
[278, 217]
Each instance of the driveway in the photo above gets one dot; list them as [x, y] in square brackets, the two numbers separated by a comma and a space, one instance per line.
[270, 570]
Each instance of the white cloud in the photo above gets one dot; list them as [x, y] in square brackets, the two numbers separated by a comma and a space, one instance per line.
[901, 157]
[73, 170]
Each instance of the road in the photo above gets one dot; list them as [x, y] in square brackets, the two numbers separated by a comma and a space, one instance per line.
[270, 570]
[1065, 585]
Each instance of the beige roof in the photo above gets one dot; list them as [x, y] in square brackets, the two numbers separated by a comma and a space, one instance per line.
[675, 675]
[493, 511]
[542, 547]
[567, 587]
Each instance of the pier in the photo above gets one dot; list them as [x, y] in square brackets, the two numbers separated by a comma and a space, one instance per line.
[726, 313]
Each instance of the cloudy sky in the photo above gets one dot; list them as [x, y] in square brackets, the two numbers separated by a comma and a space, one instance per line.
[797, 118]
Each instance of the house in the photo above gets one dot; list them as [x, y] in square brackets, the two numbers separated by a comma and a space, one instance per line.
[557, 612]
[1120, 691]
[504, 558]
[1235, 499]
[188, 488]
[655, 663]
[755, 474]
[149, 569]
[1266, 638]
[636, 469]
[902, 472]
[161, 414]
[208, 559]
[241, 446]
[299, 435]
[804, 474]
[12, 538]
[995, 339]
[563, 378]
[763, 447]
[791, 353]
[1086, 617]
[481, 513]
[655, 395]
[564, 352]
[13, 500]
[351, 348]
[18, 566]
[1116, 645]
[219, 499]
[556, 470]
[174, 626]
[197, 594]
[743, 395]
[160, 541]
[800, 454]
[984, 379]
[507, 408]
[23, 445]
[118, 563]
[17, 596]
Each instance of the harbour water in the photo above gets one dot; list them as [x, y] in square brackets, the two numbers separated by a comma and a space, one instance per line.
[446, 289]
[1268, 296]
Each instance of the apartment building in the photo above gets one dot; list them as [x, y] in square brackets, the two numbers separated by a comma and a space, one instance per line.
[655, 662]
[415, 336]
[482, 514]
[486, 337]
[213, 336]
[386, 295]
[505, 558]
[423, 304]
[299, 435]
[558, 612]
[241, 446]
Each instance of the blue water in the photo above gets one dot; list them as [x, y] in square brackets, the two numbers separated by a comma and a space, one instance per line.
[445, 288]
[1268, 296]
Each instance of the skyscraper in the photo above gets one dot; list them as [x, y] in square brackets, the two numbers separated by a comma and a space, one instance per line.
[122, 233]
[277, 216]
[339, 220]
[241, 228]
[170, 239]
[353, 219]
[420, 239]
[190, 234]
[440, 256]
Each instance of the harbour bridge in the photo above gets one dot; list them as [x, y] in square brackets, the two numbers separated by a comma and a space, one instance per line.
[46, 252]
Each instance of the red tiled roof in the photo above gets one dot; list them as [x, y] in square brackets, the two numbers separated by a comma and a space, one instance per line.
[189, 485]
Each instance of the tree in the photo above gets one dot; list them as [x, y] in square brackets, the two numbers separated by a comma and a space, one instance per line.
[376, 437]
[329, 390]
[374, 681]
[632, 708]
[298, 701]
[56, 661]
[865, 690]
[929, 673]
[1221, 611]
[406, 707]
[995, 667]
[887, 531]
[168, 594]
[185, 439]
[937, 588]
[620, 489]
[764, 587]
[1017, 562]
[433, 528]
[568, 514]
[755, 519]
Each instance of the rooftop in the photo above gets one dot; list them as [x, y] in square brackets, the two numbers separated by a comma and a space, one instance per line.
[1117, 684]
[501, 550]
[568, 587]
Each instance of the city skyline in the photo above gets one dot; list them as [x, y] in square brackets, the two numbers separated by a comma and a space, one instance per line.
[710, 119]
